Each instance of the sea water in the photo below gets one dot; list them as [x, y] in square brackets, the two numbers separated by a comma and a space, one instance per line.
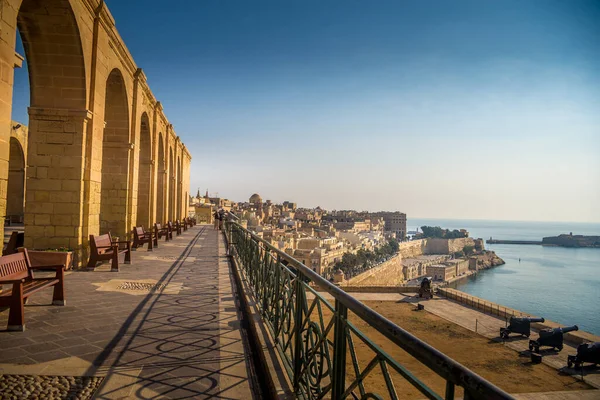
[557, 283]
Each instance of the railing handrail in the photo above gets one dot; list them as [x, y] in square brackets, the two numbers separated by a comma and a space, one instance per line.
[438, 362]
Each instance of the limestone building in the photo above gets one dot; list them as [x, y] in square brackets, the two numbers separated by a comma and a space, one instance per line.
[101, 155]
[395, 223]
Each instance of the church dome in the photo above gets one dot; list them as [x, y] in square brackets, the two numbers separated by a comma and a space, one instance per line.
[255, 198]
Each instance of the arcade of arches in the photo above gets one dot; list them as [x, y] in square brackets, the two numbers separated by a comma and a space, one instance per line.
[99, 154]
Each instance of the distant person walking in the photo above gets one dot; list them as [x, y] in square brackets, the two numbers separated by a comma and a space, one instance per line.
[216, 219]
[221, 218]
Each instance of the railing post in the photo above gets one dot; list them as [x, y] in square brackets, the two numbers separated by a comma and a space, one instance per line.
[228, 229]
[299, 311]
[265, 279]
[449, 391]
[276, 296]
[338, 375]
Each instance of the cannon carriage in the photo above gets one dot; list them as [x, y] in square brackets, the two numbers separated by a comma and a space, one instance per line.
[586, 353]
[521, 325]
[551, 338]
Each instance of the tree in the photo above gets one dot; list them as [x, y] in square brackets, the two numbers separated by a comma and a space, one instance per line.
[394, 246]
[438, 232]
[468, 249]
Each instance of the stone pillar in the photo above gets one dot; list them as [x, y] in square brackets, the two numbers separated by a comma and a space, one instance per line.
[55, 179]
[165, 194]
[8, 61]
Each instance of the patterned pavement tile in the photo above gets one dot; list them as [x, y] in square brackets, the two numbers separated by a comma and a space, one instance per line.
[175, 344]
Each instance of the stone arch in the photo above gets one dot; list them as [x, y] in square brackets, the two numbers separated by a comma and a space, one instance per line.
[171, 186]
[144, 174]
[15, 196]
[57, 120]
[53, 48]
[160, 184]
[115, 157]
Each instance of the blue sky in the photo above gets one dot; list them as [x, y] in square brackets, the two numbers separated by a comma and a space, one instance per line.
[462, 109]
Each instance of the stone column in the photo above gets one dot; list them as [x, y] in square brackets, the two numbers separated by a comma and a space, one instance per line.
[55, 178]
[8, 61]
[165, 194]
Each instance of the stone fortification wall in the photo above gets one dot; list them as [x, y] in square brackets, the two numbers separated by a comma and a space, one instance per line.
[413, 249]
[436, 246]
[447, 246]
[388, 273]
[421, 247]
[393, 273]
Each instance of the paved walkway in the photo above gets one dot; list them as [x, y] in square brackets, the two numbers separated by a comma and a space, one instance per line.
[182, 340]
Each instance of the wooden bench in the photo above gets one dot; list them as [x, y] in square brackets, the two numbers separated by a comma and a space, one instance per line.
[172, 228]
[16, 240]
[159, 232]
[177, 227]
[103, 248]
[140, 236]
[16, 269]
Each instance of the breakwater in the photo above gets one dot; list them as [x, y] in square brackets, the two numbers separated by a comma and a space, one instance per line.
[496, 241]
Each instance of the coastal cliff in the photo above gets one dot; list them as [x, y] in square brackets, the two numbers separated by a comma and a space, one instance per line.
[487, 259]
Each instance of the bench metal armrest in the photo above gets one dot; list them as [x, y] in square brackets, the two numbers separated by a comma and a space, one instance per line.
[57, 266]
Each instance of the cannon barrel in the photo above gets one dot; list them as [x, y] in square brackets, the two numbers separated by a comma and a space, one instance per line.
[570, 328]
[536, 319]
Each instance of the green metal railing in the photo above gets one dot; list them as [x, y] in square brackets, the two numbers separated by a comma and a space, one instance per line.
[320, 348]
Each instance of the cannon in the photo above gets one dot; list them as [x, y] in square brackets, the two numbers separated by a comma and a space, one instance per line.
[425, 291]
[521, 325]
[586, 352]
[551, 338]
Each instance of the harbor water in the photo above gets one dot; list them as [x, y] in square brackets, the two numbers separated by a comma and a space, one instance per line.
[559, 284]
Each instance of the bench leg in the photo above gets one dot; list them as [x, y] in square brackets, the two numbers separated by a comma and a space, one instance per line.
[58, 297]
[150, 244]
[16, 315]
[128, 256]
[114, 266]
[156, 237]
[91, 265]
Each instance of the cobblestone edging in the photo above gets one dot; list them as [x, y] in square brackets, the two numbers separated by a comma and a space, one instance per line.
[48, 387]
